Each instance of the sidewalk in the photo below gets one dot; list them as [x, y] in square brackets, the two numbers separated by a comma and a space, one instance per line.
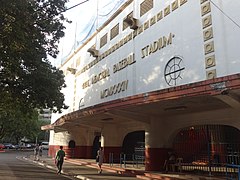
[86, 169]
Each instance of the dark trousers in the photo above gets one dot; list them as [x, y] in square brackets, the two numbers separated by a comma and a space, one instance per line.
[59, 166]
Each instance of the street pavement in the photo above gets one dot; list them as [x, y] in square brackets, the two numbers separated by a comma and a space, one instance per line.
[11, 168]
[86, 169]
[80, 169]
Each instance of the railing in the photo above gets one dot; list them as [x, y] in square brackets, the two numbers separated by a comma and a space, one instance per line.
[233, 171]
[123, 160]
[212, 159]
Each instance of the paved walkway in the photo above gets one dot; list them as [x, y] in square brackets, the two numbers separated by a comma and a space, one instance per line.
[86, 169]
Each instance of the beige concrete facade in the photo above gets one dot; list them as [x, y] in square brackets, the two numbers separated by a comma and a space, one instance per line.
[162, 115]
[172, 72]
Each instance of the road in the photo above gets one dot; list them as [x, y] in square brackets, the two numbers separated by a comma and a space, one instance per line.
[13, 168]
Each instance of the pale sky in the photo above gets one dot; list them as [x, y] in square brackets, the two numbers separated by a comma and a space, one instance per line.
[84, 17]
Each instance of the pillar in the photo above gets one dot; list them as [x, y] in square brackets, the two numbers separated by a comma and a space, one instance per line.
[157, 145]
[84, 138]
[111, 141]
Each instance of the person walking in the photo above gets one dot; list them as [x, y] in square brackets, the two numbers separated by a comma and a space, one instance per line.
[99, 159]
[36, 150]
[40, 152]
[59, 159]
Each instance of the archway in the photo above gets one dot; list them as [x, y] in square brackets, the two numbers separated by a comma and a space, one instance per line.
[134, 143]
[218, 144]
[96, 145]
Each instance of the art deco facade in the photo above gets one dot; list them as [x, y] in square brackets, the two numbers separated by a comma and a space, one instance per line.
[154, 68]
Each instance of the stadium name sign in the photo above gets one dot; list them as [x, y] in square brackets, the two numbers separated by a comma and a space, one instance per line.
[161, 43]
[115, 89]
[106, 72]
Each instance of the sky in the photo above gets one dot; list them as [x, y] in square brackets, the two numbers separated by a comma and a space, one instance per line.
[85, 18]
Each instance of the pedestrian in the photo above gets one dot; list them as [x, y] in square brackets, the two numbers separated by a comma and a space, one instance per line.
[99, 159]
[40, 151]
[59, 159]
[36, 151]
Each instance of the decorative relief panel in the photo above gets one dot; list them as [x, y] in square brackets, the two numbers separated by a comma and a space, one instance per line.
[146, 25]
[203, 1]
[182, 2]
[166, 11]
[210, 61]
[207, 21]
[206, 8]
[175, 5]
[153, 20]
[208, 34]
[211, 74]
[209, 47]
[208, 39]
[159, 16]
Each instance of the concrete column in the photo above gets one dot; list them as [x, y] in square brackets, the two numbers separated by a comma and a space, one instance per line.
[56, 140]
[157, 145]
[84, 138]
[111, 141]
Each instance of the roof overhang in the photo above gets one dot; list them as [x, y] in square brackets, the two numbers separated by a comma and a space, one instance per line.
[194, 97]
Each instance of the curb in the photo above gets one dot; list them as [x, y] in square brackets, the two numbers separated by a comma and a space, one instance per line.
[53, 168]
[135, 173]
[82, 177]
[40, 163]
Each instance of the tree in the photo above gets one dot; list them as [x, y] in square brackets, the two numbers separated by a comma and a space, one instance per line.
[16, 120]
[30, 31]
[42, 135]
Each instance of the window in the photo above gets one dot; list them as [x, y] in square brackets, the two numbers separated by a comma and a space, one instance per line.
[103, 40]
[114, 31]
[145, 6]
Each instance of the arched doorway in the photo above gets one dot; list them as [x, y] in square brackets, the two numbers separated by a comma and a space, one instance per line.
[134, 143]
[96, 145]
[204, 144]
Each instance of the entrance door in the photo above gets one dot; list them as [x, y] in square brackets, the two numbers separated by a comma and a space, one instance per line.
[96, 145]
[134, 144]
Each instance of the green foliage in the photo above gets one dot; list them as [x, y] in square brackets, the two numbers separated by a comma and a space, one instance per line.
[43, 135]
[16, 120]
[29, 31]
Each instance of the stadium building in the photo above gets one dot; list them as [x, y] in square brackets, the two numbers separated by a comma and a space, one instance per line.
[157, 76]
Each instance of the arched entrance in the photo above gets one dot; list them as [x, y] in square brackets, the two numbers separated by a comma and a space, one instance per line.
[96, 145]
[134, 143]
[204, 144]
